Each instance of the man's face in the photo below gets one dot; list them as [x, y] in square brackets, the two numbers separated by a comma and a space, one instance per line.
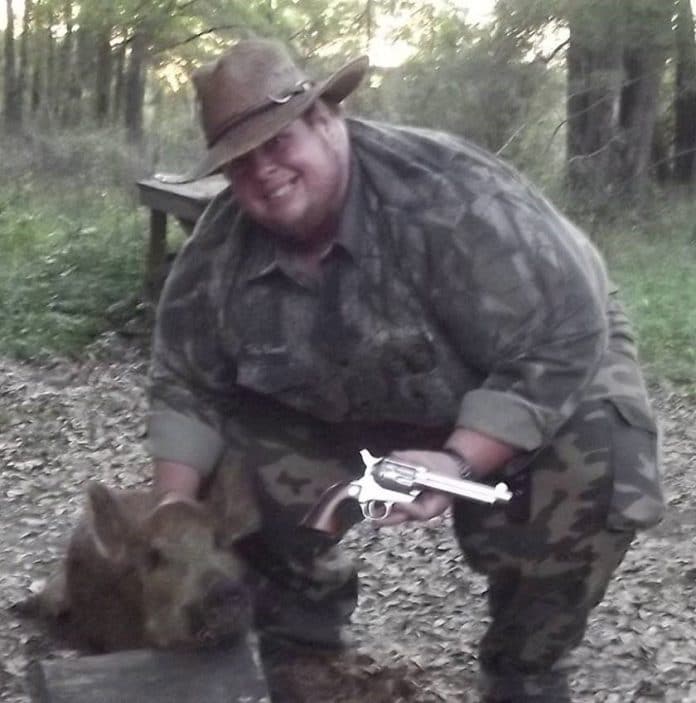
[295, 183]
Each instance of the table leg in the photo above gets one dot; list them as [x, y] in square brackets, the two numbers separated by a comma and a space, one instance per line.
[156, 254]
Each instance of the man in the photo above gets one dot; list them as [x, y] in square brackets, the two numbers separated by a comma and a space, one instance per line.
[364, 285]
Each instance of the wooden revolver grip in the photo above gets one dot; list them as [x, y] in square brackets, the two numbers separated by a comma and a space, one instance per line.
[326, 514]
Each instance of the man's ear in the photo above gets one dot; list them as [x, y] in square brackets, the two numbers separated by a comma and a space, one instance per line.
[107, 522]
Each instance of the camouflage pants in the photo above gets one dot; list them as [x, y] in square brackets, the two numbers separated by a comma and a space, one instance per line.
[289, 462]
[306, 588]
[548, 556]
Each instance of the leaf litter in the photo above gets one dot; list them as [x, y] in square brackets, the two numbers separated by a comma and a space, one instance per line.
[421, 611]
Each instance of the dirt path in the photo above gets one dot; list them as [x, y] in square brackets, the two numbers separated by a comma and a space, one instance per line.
[421, 611]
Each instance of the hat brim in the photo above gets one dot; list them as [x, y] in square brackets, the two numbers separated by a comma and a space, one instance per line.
[253, 132]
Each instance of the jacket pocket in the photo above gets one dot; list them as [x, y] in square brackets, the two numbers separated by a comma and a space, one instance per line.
[637, 500]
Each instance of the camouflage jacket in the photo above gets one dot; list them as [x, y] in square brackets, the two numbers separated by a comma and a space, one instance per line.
[454, 294]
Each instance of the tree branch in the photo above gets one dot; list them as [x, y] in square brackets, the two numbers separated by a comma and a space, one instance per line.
[554, 53]
[186, 5]
[584, 157]
[512, 138]
[198, 35]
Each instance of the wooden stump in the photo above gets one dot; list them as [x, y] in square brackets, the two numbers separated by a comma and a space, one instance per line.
[230, 674]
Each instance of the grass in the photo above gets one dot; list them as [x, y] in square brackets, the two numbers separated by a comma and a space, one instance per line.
[654, 262]
[68, 255]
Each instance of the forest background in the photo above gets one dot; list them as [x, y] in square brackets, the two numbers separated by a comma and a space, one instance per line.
[594, 100]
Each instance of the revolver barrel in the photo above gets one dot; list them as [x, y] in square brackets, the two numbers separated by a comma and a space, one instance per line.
[390, 471]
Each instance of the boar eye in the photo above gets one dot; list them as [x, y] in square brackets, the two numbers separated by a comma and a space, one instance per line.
[154, 558]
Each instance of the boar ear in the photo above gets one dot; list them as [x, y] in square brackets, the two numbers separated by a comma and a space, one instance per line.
[107, 522]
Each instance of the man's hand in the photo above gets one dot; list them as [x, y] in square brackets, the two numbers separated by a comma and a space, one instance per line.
[173, 480]
[428, 504]
[485, 453]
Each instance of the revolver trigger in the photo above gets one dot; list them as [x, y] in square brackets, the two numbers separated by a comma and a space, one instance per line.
[376, 509]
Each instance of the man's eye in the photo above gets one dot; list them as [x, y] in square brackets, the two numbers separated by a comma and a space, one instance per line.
[279, 140]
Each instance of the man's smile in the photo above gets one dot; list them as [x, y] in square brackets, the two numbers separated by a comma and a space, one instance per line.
[280, 191]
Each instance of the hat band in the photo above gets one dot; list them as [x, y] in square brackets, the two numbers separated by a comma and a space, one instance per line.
[271, 101]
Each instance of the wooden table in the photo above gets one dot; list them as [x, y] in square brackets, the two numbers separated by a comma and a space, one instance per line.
[185, 202]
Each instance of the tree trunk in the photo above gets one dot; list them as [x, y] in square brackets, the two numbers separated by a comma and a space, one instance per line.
[649, 38]
[36, 90]
[85, 59]
[50, 88]
[67, 77]
[135, 88]
[685, 96]
[103, 76]
[616, 59]
[119, 81]
[594, 73]
[24, 67]
[12, 111]
[639, 108]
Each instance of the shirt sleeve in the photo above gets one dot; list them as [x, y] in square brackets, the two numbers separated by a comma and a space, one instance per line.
[184, 439]
[185, 422]
[524, 296]
[191, 381]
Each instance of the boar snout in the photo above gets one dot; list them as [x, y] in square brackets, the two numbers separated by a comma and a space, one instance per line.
[224, 612]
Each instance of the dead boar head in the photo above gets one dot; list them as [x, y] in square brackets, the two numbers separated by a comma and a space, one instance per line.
[138, 574]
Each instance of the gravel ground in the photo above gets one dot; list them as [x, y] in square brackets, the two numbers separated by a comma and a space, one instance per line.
[421, 611]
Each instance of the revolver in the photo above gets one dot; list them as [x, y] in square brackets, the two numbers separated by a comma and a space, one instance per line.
[388, 481]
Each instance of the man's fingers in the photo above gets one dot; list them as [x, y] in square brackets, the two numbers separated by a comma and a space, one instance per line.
[396, 517]
[425, 507]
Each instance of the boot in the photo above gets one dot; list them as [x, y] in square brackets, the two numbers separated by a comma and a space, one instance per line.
[548, 687]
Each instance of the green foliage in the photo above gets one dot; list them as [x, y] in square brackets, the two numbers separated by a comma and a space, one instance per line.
[73, 248]
[67, 257]
[653, 259]
[464, 80]
[91, 158]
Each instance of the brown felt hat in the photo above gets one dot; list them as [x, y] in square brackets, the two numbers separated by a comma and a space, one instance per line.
[252, 92]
